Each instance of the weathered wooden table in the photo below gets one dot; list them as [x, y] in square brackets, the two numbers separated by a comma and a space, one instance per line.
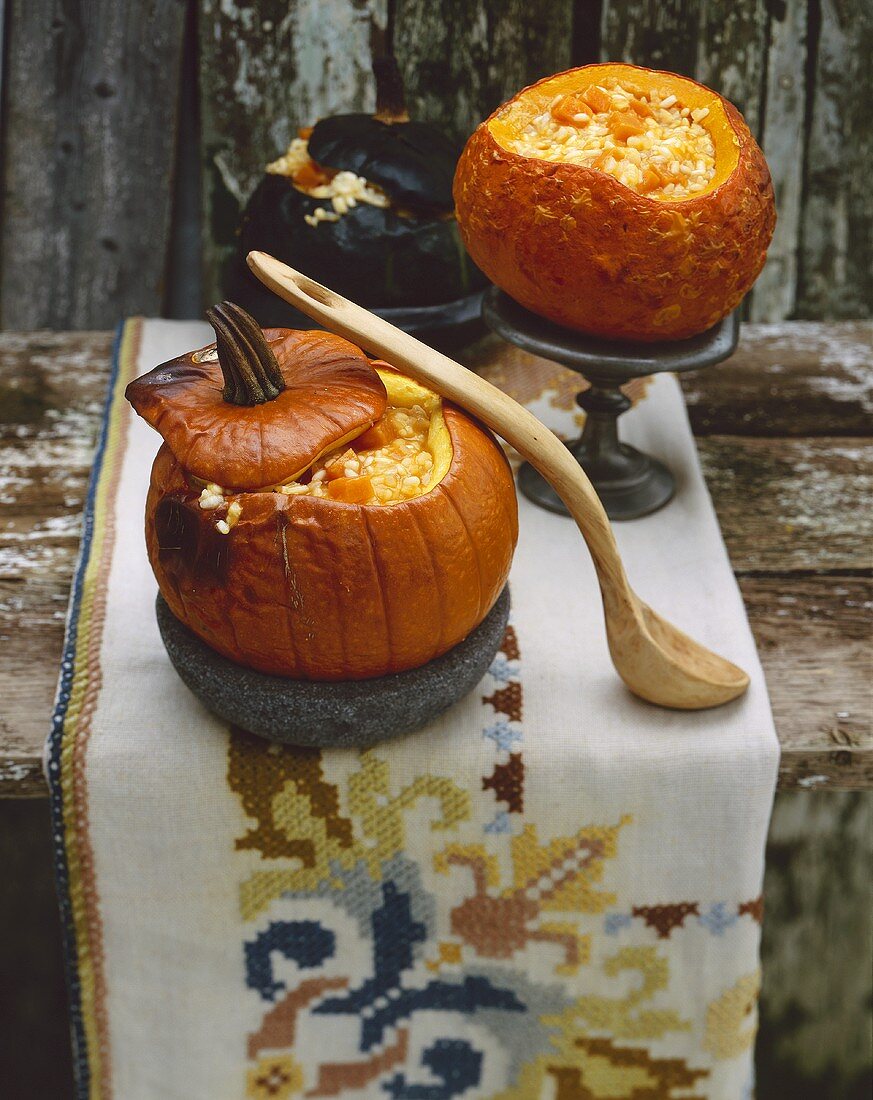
[784, 435]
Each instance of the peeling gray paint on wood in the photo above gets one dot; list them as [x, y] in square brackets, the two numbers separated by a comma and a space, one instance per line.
[461, 60]
[719, 42]
[731, 48]
[268, 67]
[836, 255]
[813, 635]
[823, 385]
[661, 35]
[775, 293]
[87, 155]
[803, 503]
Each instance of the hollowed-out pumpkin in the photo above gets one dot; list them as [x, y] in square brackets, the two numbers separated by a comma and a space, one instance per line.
[273, 526]
[364, 204]
[621, 201]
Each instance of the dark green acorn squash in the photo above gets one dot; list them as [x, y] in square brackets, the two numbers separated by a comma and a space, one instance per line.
[407, 253]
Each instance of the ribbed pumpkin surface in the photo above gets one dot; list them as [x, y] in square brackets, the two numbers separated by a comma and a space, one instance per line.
[320, 589]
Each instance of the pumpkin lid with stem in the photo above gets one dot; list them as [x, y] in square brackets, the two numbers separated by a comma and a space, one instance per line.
[259, 406]
[413, 162]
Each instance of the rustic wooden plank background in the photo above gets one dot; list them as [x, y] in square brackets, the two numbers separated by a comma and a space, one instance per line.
[92, 227]
[836, 239]
[89, 122]
[123, 172]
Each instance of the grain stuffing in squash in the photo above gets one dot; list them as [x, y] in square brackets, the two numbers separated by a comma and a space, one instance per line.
[315, 514]
[621, 201]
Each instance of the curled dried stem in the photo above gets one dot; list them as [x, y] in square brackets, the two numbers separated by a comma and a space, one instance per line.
[251, 371]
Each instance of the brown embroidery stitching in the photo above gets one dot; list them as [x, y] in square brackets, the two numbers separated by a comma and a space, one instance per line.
[557, 875]
[607, 1061]
[374, 832]
[509, 648]
[335, 1078]
[755, 908]
[261, 775]
[634, 1016]
[496, 927]
[507, 782]
[507, 701]
[279, 1026]
[664, 918]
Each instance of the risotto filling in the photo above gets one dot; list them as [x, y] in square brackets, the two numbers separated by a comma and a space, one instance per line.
[388, 463]
[646, 139]
[340, 191]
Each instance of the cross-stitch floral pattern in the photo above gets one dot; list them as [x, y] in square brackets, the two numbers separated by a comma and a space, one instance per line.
[297, 815]
[463, 972]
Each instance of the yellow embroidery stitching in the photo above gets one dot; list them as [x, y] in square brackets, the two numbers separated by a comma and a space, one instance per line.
[731, 1022]
[374, 832]
[557, 876]
[276, 1078]
[584, 1067]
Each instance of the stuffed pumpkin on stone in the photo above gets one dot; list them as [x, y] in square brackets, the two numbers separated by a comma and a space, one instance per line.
[362, 203]
[315, 514]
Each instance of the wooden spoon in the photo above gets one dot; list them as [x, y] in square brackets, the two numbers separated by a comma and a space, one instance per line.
[657, 661]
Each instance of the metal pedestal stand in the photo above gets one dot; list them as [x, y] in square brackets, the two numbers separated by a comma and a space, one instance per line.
[629, 483]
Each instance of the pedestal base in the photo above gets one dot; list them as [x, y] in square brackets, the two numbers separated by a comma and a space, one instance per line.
[643, 487]
[629, 483]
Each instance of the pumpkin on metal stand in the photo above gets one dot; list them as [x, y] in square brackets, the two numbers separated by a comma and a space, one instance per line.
[622, 214]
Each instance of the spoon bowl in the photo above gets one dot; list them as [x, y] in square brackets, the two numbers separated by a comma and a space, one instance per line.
[657, 661]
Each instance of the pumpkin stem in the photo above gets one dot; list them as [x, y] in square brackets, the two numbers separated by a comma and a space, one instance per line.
[390, 96]
[251, 372]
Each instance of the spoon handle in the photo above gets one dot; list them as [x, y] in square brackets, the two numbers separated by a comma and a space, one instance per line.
[505, 416]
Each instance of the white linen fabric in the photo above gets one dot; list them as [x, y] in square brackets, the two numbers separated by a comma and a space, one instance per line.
[552, 891]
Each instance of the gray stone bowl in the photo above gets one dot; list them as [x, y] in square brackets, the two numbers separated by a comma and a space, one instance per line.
[344, 714]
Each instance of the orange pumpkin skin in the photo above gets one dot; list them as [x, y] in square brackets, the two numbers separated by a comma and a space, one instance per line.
[578, 247]
[318, 589]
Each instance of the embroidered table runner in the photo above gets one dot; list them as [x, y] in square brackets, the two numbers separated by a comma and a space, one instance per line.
[552, 891]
